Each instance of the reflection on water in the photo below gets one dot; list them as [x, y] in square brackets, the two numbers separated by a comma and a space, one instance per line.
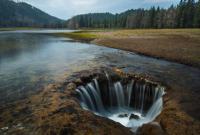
[30, 60]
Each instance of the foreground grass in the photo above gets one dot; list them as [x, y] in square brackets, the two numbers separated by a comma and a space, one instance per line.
[180, 45]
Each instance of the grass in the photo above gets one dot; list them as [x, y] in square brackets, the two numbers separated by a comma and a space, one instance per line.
[125, 33]
[80, 35]
[180, 45]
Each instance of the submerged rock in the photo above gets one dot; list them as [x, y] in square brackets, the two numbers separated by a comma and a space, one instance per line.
[123, 115]
[133, 116]
[4, 128]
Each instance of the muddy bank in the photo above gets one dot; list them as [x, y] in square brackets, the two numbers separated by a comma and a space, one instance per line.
[178, 49]
[56, 110]
[179, 45]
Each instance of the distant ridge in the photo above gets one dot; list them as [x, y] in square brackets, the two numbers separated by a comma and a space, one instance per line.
[21, 14]
[184, 15]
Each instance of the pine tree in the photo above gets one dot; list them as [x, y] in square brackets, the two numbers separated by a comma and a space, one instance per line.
[190, 11]
[180, 14]
[197, 15]
[185, 15]
[152, 15]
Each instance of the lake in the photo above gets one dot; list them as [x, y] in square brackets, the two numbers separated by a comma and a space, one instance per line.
[29, 60]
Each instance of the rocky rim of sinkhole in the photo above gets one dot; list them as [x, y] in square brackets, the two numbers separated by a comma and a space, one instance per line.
[59, 109]
[127, 99]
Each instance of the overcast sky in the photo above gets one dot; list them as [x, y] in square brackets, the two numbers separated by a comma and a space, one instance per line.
[65, 9]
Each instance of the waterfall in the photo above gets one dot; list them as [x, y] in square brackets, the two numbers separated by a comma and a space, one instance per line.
[129, 92]
[155, 109]
[110, 89]
[97, 97]
[119, 92]
[89, 104]
[97, 86]
[143, 99]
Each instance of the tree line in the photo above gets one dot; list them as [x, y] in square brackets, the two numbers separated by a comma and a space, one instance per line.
[185, 15]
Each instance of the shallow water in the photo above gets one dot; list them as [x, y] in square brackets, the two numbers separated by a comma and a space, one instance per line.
[31, 59]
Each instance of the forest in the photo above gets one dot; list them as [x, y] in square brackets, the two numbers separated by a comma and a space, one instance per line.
[21, 14]
[184, 15]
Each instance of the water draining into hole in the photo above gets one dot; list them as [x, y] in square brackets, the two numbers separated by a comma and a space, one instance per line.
[132, 103]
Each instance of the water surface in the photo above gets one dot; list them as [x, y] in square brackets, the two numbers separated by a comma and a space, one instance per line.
[30, 60]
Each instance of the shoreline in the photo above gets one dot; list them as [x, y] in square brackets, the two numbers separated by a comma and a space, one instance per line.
[176, 45]
[154, 56]
[55, 110]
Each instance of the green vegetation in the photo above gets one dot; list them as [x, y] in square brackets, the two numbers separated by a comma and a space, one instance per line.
[127, 33]
[185, 15]
[21, 14]
[180, 45]
[80, 35]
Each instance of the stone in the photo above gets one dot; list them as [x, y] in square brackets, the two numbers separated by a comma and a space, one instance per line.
[78, 82]
[133, 116]
[4, 128]
[71, 86]
[53, 90]
[152, 128]
[66, 131]
[123, 115]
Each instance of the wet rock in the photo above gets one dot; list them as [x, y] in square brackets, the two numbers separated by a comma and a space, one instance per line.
[71, 86]
[4, 128]
[53, 90]
[78, 82]
[152, 128]
[123, 115]
[133, 116]
[66, 131]
[86, 78]
[19, 126]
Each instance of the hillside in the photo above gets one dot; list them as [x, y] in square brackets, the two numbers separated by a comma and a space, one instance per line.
[185, 15]
[21, 14]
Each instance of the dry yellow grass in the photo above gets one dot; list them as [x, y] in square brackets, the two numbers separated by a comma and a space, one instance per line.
[180, 45]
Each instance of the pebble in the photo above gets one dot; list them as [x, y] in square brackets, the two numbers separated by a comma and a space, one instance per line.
[4, 128]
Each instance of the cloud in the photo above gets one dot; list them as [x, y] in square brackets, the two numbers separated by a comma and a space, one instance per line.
[67, 8]
[83, 3]
[156, 1]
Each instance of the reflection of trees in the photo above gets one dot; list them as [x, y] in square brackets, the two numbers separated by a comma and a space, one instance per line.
[13, 45]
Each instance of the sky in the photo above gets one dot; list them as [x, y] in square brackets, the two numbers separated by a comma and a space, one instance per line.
[65, 9]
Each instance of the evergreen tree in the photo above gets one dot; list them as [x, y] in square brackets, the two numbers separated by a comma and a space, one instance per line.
[185, 15]
[189, 11]
[197, 15]
[152, 15]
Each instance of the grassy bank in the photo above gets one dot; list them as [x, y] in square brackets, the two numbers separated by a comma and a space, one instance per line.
[80, 35]
[180, 45]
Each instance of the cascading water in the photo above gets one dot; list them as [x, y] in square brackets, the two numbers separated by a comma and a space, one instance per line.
[131, 104]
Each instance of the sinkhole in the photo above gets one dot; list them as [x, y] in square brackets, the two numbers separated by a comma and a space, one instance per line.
[130, 101]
